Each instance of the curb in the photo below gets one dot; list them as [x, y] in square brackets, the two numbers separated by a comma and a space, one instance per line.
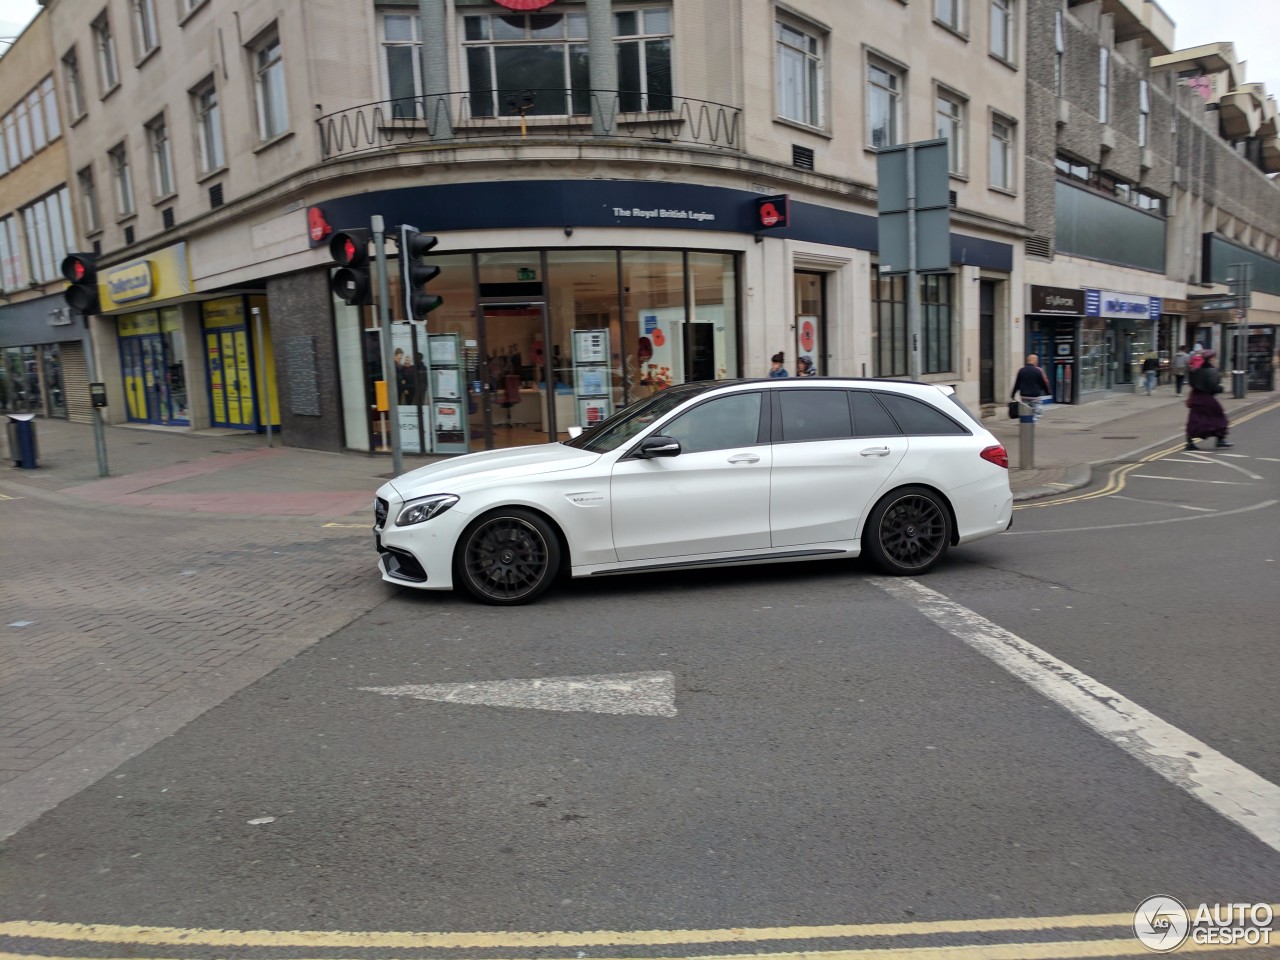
[1074, 477]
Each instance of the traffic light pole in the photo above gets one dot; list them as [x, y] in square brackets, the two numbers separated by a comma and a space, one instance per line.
[99, 435]
[388, 358]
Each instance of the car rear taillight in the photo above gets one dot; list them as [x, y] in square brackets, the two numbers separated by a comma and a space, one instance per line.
[997, 455]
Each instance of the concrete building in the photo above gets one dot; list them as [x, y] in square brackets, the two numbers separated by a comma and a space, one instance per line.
[1141, 192]
[43, 349]
[592, 170]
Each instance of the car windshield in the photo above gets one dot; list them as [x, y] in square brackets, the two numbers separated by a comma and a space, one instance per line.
[626, 423]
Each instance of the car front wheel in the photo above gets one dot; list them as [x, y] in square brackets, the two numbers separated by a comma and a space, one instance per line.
[508, 557]
[908, 531]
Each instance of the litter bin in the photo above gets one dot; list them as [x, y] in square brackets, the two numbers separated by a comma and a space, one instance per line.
[22, 440]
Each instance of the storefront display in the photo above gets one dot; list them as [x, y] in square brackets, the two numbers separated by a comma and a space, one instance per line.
[152, 349]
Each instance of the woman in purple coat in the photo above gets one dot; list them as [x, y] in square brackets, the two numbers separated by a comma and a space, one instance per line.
[1205, 416]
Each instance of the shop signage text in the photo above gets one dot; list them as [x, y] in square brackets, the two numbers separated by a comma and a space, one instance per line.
[773, 212]
[1122, 306]
[662, 214]
[1057, 300]
[130, 282]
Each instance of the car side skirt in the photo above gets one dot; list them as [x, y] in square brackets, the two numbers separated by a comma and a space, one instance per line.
[824, 552]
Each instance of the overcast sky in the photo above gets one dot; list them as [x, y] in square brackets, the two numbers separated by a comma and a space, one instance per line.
[1252, 25]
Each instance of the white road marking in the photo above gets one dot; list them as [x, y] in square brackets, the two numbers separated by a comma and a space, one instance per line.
[645, 694]
[1234, 791]
[1141, 523]
[1236, 456]
[1161, 503]
[1202, 458]
[1269, 459]
[1152, 476]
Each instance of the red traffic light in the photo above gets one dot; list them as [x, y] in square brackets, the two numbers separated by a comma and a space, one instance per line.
[78, 268]
[350, 248]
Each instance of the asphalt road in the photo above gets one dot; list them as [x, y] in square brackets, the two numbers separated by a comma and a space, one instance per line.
[836, 755]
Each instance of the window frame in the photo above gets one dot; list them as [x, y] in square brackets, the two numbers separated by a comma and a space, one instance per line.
[1008, 153]
[47, 223]
[145, 28]
[779, 414]
[813, 71]
[956, 152]
[160, 149]
[414, 45]
[104, 45]
[1006, 11]
[13, 266]
[897, 98]
[270, 84]
[74, 80]
[957, 23]
[762, 420]
[574, 96]
[90, 210]
[646, 99]
[208, 126]
[126, 198]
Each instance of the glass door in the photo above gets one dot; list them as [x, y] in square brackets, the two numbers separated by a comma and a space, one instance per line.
[514, 375]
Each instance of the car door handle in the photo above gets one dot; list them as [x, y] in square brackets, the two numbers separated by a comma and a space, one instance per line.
[876, 452]
[744, 458]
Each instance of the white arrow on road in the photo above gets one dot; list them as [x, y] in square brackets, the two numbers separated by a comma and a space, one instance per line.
[646, 694]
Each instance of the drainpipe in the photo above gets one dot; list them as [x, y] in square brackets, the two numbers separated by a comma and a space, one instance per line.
[435, 69]
[604, 67]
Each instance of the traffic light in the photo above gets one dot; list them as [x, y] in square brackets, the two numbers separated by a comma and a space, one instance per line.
[81, 271]
[414, 274]
[350, 248]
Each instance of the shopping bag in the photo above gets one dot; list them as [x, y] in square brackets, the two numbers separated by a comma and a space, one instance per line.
[1013, 409]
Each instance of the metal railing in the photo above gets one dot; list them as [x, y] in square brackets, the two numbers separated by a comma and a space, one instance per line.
[551, 114]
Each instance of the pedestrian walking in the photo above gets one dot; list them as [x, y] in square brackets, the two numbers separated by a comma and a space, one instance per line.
[1205, 416]
[804, 367]
[1150, 370]
[778, 370]
[1031, 385]
[1179, 365]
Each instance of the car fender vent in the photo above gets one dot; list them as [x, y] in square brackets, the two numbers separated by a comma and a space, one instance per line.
[215, 196]
[1040, 247]
[801, 157]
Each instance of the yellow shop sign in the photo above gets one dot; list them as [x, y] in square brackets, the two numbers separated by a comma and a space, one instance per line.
[130, 282]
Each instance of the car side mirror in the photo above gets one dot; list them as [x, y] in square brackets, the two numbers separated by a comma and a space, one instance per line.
[658, 446]
[574, 432]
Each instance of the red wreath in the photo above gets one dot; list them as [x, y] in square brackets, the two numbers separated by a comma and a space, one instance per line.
[525, 5]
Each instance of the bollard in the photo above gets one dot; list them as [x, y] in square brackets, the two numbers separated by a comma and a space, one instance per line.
[1238, 388]
[1026, 437]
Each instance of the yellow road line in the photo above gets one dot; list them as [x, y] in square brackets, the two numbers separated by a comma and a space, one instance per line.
[153, 936]
[1063, 950]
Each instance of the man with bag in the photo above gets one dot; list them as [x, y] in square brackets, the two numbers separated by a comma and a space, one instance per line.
[1031, 385]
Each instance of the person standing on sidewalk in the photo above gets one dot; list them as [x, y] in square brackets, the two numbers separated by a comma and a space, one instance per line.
[1179, 367]
[777, 369]
[1205, 416]
[1031, 385]
[1150, 370]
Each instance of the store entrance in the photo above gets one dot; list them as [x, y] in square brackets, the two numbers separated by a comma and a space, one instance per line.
[513, 376]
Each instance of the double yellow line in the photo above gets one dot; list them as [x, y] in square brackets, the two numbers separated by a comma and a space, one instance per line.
[1116, 479]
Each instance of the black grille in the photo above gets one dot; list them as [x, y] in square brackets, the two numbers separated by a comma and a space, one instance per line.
[97, 248]
[215, 196]
[801, 157]
[1039, 247]
[403, 565]
[167, 216]
[128, 236]
[380, 512]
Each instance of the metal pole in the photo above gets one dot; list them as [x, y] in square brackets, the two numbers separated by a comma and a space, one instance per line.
[913, 286]
[1241, 287]
[99, 435]
[263, 392]
[388, 359]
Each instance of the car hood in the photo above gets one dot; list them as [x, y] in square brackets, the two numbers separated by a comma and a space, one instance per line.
[453, 475]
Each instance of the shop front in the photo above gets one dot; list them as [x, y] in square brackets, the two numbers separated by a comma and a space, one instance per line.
[1057, 334]
[1128, 328]
[239, 363]
[43, 361]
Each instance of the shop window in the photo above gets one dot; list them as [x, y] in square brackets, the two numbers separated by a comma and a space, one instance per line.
[514, 56]
[936, 323]
[889, 301]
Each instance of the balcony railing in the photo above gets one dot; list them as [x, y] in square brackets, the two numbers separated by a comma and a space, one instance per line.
[450, 118]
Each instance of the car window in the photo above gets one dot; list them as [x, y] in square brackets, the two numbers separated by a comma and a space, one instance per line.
[870, 419]
[919, 419]
[732, 421]
[815, 415]
[626, 423]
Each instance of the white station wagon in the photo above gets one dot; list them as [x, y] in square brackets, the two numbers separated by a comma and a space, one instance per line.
[705, 474]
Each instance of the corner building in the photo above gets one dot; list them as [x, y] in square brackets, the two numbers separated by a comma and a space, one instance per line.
[592, 170]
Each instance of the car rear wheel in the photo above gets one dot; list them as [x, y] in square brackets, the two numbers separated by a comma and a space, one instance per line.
[908, 531]
[508, 557]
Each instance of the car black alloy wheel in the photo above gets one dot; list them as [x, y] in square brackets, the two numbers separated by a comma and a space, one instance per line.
[509, 558]
[908, 531]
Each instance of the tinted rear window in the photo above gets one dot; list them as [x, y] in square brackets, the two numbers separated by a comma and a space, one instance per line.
[919, 419]
[815, 415]
[870, 419]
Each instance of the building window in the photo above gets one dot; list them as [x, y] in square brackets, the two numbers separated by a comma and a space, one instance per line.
[1104, 85]
[48, 228]
[1059, 51]
[145, 36]
[11, 140]
[119, 157]
[1144, 112]
[273, 109]
[1002, 29]
[1002, 153]
[889, 300]
[884, 104]
[402, 61]
[161, 157]
[204, 101]
[950, 127]
[12, 274]
[104, 46]
[948, 13]
[188, 6]
[89, 212]
[50, 98]
[935, 323]
[533, 64]
[642, 39]
[799, 75]
[74, 84]
[24, 130]
[35, 106]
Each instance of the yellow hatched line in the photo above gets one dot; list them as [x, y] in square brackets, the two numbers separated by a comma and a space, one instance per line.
[1064, 950]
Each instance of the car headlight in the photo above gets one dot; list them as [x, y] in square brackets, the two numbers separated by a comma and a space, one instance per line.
[424, 508]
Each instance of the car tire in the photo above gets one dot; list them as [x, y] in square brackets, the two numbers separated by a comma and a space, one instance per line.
[508, 557]
[908, 531]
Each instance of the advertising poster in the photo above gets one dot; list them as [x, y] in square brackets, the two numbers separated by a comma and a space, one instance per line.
[591, 412]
